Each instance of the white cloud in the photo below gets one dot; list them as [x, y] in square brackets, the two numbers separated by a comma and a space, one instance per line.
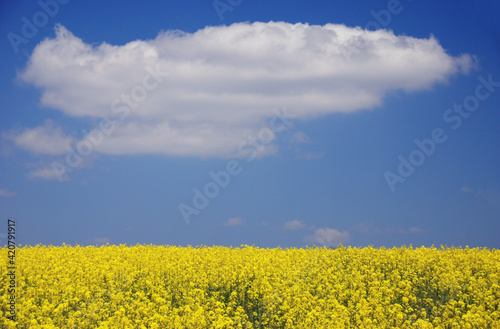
[294, 225]
[300, 137]
[234, 222]
[403, 230]
[48, 173]
[302, 155]
[396, 230]
[218, 85]
[366, 228]
[45, 139]
[100, 240]
[416, 230]
[491, 196]
[297, 140]
[370, 228]
[328, 237]
[7, 193]
[465, 189]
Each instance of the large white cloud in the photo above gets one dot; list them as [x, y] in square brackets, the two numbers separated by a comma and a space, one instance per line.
[201, 94]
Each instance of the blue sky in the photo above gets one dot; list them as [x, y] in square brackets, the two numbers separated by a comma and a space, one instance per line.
[251, 122]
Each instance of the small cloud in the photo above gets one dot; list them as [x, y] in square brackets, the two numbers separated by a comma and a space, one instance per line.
[6, 193]
[465, 189]
[300, 138]
[402, 230]
[48, 173]
[297, 141]
[416, 230]
[234, 222]
[396, 230]
[492, 197]
[45, 139]
[263, 224]
[102, 240]
[309, 155]
[328, 237]
[365, 228]
[294, 225]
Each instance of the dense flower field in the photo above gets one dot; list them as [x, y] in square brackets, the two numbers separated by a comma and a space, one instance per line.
[217, 287]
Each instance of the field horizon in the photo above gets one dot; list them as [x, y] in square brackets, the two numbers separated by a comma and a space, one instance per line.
[146, 286]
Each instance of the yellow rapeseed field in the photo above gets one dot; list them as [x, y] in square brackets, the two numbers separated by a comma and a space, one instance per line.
[217, 287]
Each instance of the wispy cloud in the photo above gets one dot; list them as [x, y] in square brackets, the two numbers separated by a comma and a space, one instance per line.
[219, 84]
[366, 228]
[300, 137]
[370, 228]
[308, 155]
[48, 138]
[465, 189]
[234, 221]
[416, 230]
[294, 225]
[491, 196]
[404, 230]
[299, 142]
[328, 237]
[47, 173]
[7, 193]
[100, 240]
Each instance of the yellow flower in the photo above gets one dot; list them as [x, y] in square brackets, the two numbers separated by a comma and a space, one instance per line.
[247, 287]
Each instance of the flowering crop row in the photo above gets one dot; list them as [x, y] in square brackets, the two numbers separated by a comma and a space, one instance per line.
[247, 287]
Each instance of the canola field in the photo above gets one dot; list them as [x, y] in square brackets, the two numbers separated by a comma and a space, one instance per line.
[146, 286]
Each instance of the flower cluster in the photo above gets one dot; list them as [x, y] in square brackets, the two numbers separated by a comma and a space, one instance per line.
[146, 286]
